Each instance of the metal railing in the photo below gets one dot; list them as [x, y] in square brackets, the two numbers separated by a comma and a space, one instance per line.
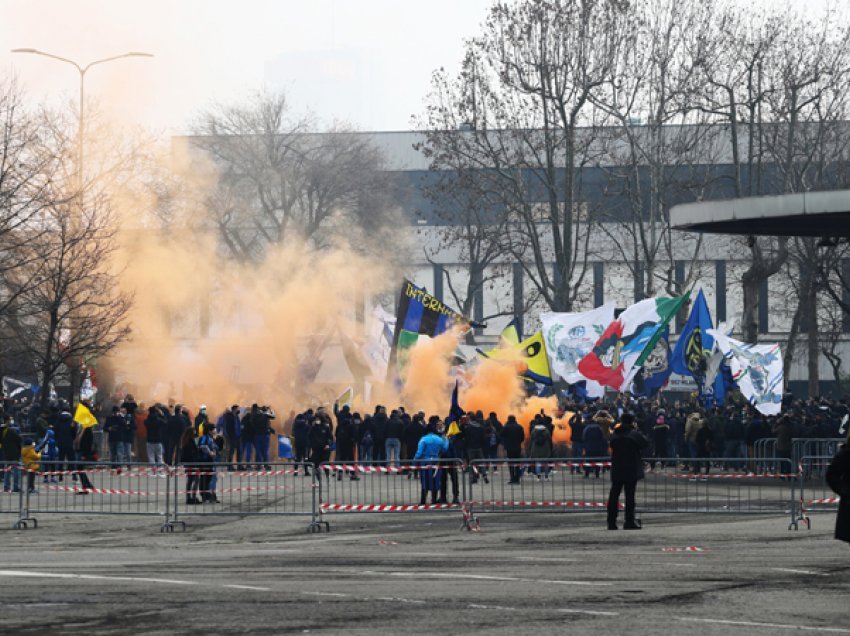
[12, 499]
[218, 489]
[427, 486]
[177, 494]
[562, 485]
[815, 493]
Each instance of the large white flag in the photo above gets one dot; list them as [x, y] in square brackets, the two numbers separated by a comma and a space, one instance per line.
[569, 337]
[756, 369]
[379, 339]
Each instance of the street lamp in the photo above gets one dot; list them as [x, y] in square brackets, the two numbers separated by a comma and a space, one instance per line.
[81, 126]
[82, 70]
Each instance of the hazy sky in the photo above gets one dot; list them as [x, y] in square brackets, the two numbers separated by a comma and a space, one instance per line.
[364, 61]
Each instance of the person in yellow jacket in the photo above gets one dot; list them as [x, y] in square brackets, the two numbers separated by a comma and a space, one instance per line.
[30, 457]
[692, 426]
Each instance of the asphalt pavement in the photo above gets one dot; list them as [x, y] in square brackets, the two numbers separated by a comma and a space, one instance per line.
[419, 572]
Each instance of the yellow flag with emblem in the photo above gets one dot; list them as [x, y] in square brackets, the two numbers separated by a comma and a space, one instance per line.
[529, 356]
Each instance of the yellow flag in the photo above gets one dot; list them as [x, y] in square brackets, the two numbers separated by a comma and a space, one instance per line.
[529, 356]
[84, 417]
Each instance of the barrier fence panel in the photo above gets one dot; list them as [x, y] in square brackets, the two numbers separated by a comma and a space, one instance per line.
[528, 485]
[764, 448]
[207, 489]
[720, 486]
[565, 485]
[814, 447]
[385, 487]
[12, 500]
[95, 489]
[815, 494]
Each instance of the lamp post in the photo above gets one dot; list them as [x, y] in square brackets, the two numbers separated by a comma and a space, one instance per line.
[80, 131]
[82, 71]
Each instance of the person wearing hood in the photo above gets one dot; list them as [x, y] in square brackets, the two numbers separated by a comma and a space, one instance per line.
[392, 439]
[346, 433]
[431, 447]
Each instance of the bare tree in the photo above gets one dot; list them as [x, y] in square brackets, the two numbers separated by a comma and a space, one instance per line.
[274, 180]
[524, 102]
[659, 144]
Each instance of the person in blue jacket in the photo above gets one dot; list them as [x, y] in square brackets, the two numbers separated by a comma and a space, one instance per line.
[430, 448]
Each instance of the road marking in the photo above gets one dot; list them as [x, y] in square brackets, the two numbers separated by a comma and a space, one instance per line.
[483, 577]
[248, 587]
[545, 559]
[491, 607]
[793, 571]
[93, 577]
[336, 594]
[804, 628]
[591, 612]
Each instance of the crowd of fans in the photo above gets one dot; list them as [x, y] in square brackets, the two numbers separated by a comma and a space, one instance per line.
[239, 437]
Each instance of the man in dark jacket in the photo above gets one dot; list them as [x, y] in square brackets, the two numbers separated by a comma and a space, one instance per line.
[392, 438]
[413, 432]
[379, 426]
[301, 435]
[65, 433]
[475, 439]
[838, 478]
[232, 436]
[156, 424]
[114, 429]
[11, 441]
[366, 440]
[320, 441]
[513, 436]
[626, 470]
[346, 434]
[250, 424]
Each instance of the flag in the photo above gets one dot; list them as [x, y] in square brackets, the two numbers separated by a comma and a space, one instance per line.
[695, 345]
[510, 335]
[529, 356]
[455, 413]
[656, 370]
[718, 376]
[345, 399]
[420, 313]
[628, 341]
[756, 369]
[571, 336]
[284, 447]
[379, 342]
[84, 417]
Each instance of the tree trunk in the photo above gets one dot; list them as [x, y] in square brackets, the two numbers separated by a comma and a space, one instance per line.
[813, 341]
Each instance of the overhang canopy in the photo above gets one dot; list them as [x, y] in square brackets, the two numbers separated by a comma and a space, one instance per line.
[825, 214]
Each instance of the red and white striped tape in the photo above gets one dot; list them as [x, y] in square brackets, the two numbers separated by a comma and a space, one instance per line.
[827, 500]
[327, 507]
[727, 475]
[545, 504]
[690, 548]
[366, 468]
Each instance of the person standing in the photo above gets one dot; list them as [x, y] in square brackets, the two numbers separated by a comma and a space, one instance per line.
[85, 447]
[365, 440]
[64, 430]
[539, 448]
[626, 470]
[249, 429]
[838, 479]
[660, 440]
[232, 436]
[346, 432]
[392, 439]
[513, 436]
[262, 430]
[379, 430]
[595, 444]
[114, 428]
[11, 442]
[430, 448]
[320, 442]
[154, 424]
[189, 455]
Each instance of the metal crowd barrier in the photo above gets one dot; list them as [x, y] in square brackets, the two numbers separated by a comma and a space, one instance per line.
[217, 490]
[564, 485]
[815, 494]
[91, 488]
[354, 487]
[814, 447]
[764, 448]
[167, 492]
[12, 499]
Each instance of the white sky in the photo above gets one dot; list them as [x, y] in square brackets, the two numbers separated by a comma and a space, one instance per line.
[367, 62]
